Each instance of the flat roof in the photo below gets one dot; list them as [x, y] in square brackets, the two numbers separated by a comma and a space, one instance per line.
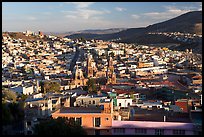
[150, 124]
[80, 110]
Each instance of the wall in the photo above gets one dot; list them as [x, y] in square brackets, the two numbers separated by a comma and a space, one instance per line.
[88, 119]
[150, 127]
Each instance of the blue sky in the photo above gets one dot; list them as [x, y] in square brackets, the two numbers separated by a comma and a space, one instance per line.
[72, 16]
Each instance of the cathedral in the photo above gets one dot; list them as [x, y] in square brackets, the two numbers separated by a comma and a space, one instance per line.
[90, 70]
[110, 74]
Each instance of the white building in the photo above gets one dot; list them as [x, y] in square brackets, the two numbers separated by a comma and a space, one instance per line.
[26, 90]
[123, 102]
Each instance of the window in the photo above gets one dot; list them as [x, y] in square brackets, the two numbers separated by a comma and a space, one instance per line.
[159, 131]
[93, 101]
[97, 122]
[119, 130]
[72, 119]
[29, 123]
[140, 131]
[120, 104]
[128, 104]
[78, 121]
[89, 102]
[178, 132]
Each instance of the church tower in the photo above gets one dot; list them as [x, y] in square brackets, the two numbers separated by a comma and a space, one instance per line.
[78, 74]
[111, 76]
[89, 66]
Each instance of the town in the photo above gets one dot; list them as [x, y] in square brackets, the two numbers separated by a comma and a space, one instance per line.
[108, 88]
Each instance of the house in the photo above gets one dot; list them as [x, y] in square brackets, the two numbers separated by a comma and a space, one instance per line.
[88, 100]
[23, 89]
[123, 102]
[139, 97]
[148, 104]
[96, 121]
[40, 106]
[35, 109]
[183, 104]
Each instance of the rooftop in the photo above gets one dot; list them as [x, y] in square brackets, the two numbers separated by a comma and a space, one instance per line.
[150, 124]
[80, 110]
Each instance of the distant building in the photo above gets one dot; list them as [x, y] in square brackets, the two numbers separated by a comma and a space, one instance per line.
[88, 100]
[40, 33]
[183, 104]
[26, 90]
[123, 102]
[110, 74]
[145, 64]
[89, 66]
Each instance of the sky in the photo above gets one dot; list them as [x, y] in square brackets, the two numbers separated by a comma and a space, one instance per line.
[74, 16]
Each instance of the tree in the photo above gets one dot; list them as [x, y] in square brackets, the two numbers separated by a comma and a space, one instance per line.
[50, 86]
[9, 95]
[12, 112]
[91, 84]
[59, 126]
[24, 97]
[112, 54]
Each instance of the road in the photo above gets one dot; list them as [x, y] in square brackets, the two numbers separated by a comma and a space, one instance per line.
[73, 63]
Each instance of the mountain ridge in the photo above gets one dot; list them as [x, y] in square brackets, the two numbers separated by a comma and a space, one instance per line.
[190, 22]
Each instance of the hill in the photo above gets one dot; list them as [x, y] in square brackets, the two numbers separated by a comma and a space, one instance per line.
[88, 32]
[190, 22]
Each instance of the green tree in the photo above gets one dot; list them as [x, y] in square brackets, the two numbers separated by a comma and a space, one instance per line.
[9, 95]
[24, 97]
[51, 86]
[12, 112]
[59, 126]
[112, 54]
[91, 84]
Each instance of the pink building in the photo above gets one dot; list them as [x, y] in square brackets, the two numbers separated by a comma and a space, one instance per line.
[151, 128]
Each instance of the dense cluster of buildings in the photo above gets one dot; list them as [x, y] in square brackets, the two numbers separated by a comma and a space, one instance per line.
[183, 37]
[142, 90]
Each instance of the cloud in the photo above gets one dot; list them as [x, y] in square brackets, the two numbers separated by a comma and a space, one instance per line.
[85, 13]
[120, 9]
[82, 4]
[200, 6]
[32, 18]
[135, 16]
[170, 12]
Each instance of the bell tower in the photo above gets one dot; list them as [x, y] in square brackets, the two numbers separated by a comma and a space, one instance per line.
[111, 76]
[89, 66]
[78, 74]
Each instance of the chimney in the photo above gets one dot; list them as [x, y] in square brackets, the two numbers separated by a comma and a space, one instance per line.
[164, 118]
